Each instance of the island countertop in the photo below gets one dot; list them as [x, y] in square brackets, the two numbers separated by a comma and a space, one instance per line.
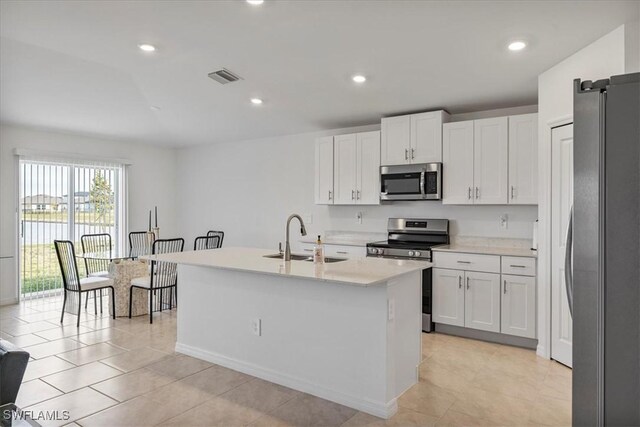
[353, 271]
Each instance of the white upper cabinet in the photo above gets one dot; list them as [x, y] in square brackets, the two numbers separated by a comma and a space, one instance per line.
[523, 159]
[324, 171]
[368, 168]
[414, 138]
[344, 169]
[457, 163]
[490, 164]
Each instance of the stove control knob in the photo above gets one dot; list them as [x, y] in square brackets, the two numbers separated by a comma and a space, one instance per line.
[418, 253]
[371, 250]
[411, 253]
[380, 251]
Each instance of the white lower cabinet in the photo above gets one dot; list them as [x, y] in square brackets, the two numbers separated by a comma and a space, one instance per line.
[482, 301]
[489, 299]
[519, 305]
[448, 296]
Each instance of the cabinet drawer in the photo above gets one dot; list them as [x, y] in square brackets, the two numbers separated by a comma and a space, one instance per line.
[521, 266]
[464, 261]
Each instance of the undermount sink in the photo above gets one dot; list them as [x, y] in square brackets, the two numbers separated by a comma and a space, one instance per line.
[296, 257]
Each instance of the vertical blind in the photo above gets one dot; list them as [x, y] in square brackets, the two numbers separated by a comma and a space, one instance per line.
[64, 199]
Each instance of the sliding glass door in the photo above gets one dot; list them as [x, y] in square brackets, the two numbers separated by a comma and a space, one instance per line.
[63, 201]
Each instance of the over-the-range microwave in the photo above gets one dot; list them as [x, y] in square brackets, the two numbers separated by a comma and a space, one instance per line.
[422, 181]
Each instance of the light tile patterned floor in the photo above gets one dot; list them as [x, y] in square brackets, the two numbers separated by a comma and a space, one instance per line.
[125, 373]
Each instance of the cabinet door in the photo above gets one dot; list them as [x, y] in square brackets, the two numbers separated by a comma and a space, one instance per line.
[426, 137]
[368, 168]
[324, 171]
[490, 151]
[448, 296]
[396, 139]
[523, 159]
[518, 306]
[344, 168]
[482, 301]
[457, 163]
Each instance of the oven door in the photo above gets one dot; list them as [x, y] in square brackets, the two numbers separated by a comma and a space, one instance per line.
[411, 182]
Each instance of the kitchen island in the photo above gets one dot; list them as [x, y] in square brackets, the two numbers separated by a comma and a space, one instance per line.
[348, 331]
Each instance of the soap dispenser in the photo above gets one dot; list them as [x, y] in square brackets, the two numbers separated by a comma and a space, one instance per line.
[318, 252]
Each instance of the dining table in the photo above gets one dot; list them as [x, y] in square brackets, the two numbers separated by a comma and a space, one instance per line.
[122, 269]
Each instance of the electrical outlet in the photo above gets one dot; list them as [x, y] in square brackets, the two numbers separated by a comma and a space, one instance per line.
[391, 309]
[256, 327]
[504, 221]
[359, 217]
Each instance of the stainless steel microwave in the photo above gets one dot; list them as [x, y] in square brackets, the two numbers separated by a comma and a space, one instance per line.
[421, 181]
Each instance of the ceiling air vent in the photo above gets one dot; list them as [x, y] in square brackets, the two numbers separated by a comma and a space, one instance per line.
[224, 76]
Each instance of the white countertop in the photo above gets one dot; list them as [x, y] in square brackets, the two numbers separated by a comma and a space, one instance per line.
[354, 271]
[486, 250]
[345, 238]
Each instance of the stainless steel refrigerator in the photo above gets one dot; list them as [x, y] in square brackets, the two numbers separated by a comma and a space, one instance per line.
[603, 274]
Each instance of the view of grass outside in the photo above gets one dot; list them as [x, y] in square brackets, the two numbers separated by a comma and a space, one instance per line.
[62, 217]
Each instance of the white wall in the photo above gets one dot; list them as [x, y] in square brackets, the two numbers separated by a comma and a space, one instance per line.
[249, 188]
[151, 178]
[601, 59]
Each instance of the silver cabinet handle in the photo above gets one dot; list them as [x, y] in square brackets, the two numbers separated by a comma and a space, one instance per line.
[342, 252]
[358, 194]
[467, 283]
[505, 286]
[413, 153]
[568, 265]
[469, 193]
[477, 192]
[463, 262]
[308, 250]
[329, 194]
[406, 154]
[512, 192]
[518, 266]
[459, 282]
[353, 194]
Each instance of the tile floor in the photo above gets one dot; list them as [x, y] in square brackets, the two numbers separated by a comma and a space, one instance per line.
[125, 373]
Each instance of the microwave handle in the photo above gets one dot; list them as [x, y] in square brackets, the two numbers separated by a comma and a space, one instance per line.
[422, 183]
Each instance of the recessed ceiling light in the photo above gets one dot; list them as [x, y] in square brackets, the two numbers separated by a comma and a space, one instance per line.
[358, 78]
[517, 45]
[256, 101]
[147, 47]
[255, 2]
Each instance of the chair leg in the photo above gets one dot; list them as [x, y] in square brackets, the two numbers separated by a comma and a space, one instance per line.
[130, 300]
[80, 306]
[162, 291]
[64, 303]
[170, 297]
[113, 301]
[86, 302]
[95, 303]
[100, 301]
[151, 307]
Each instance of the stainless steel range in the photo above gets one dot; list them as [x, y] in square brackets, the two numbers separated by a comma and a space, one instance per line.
[411, 238]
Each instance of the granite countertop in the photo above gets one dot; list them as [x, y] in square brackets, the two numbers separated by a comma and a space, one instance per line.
[354, 271]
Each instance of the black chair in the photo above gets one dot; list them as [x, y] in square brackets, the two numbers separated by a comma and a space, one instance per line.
[96, 267]
[139, 243]
[72, 281]
[163, 276]
[220, 234]
[206, 242]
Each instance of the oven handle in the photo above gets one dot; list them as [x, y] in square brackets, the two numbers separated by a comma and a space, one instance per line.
[422, 183]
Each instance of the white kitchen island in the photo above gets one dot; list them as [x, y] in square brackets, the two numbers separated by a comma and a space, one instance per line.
[349, 332]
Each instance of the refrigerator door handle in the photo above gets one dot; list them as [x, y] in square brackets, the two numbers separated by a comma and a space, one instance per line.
[568, 267]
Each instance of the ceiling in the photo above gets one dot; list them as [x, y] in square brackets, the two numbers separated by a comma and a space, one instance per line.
[75, 65]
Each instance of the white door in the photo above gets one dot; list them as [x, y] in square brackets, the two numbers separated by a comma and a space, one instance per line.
[324, 171]
[368, 168]
[396, 137]
[561, 199]
[490, 151]
[426, 137]
[518, 313]
[482, 301]
[457, 163]
[448, 296]
[523, 159]
[344, 169]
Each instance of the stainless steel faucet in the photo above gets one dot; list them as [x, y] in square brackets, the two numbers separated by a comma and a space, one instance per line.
[303, 231]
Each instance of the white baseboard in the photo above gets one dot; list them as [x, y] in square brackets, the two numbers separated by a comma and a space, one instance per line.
[378, 409]
[8, 301]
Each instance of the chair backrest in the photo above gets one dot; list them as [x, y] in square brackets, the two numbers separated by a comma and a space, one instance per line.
[164, 273]
[68, 266]
[220, 234]
[96, 243]
[139, 243]
[206, 242]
